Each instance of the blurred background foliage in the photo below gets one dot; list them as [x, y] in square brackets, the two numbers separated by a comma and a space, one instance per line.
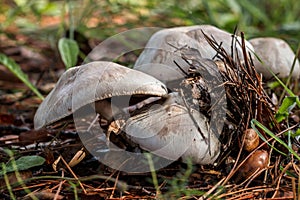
[51, 19]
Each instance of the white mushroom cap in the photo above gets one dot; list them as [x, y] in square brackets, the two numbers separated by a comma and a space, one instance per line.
[169, 131]
[277, 55]
[95, 81]
[162, 49]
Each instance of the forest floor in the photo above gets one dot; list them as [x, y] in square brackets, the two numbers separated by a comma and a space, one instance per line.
[90, 179]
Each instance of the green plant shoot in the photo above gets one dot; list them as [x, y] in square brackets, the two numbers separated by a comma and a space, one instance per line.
[286, 107]
[16, 70]
[69, 51]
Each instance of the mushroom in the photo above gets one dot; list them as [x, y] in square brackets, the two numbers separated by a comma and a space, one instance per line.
[158, 122]
[90, 83]
[170, 130]
[164, 49]
[276, 55]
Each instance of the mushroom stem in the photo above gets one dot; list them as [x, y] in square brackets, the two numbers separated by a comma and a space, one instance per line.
[106, 109]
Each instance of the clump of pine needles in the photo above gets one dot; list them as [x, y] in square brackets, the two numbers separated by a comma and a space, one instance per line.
[247, 101]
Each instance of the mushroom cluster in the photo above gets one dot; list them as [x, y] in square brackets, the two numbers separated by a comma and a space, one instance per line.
[158, 121]
[172, 103]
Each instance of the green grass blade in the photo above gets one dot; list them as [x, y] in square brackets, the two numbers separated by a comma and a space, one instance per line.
[293, 65]
[255, 11]
[280, 82]
[266, 130]
[263, 138]
[75, 192]
[16, 70]
[153, 173]
[11, 194]
[18, 175]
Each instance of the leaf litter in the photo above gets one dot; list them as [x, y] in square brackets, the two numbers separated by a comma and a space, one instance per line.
[248, 99]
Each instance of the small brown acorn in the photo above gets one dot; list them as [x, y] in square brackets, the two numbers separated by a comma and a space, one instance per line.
[258, 160]
[251, 140]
